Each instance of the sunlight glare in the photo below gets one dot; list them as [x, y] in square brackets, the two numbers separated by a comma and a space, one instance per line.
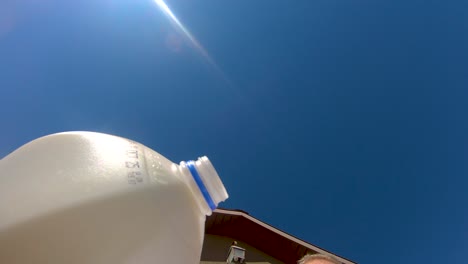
[196, 45]
[165, 9]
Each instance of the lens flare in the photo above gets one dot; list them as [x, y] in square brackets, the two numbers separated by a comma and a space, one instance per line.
[196, 45]
[179, 26]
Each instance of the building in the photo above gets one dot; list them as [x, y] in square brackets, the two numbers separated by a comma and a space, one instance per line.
[262, 243]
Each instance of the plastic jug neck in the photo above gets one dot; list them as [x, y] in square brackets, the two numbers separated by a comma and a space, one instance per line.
[204, 182]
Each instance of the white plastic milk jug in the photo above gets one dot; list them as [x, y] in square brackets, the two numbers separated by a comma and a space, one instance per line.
[84, 197]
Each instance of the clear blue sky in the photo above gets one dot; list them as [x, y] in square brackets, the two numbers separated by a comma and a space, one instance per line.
[343, 123]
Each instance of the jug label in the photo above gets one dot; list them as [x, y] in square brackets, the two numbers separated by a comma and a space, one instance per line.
[132, 163]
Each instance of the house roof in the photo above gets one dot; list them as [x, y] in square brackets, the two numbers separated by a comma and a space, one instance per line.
[241, 226]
